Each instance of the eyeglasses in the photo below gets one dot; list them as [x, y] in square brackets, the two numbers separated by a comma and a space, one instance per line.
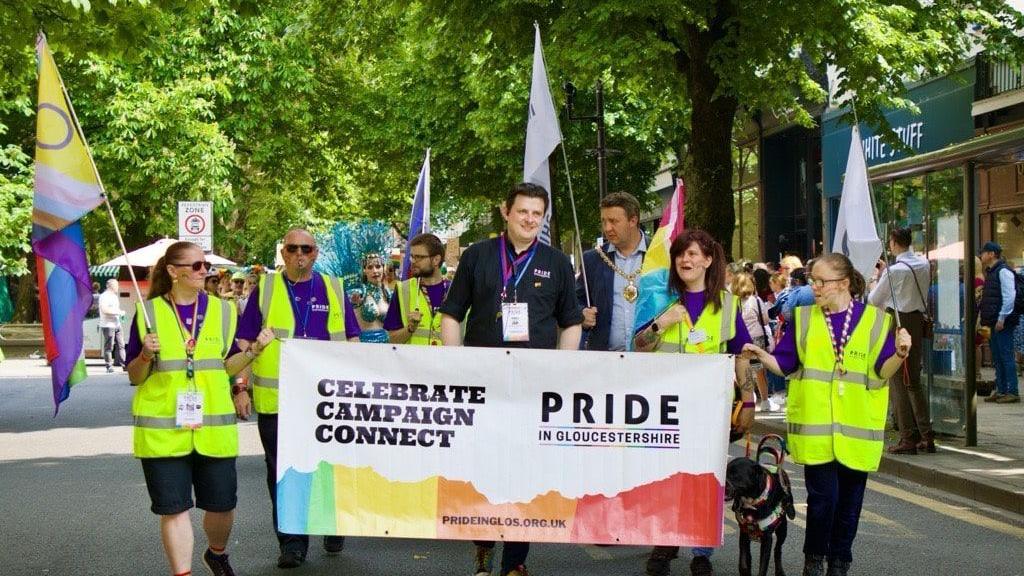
[197, 266]
[418, 257]
[293, 248]
[820, 282]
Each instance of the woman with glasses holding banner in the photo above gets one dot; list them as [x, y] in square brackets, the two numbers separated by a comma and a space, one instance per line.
[839, 353]
[181, 356]
[704, 319]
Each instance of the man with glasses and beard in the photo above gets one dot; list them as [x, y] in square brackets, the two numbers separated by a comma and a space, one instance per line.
[413, 316]
[295, 303]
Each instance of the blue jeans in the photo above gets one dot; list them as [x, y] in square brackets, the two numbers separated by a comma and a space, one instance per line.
[1001, 344]
[835, 495]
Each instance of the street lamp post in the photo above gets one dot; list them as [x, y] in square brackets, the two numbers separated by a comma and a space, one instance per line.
[597, 118]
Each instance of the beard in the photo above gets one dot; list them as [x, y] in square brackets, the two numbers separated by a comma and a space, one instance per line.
[422, 273]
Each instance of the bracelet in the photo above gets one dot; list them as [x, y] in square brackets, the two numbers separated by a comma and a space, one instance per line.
[145, 358]
[748, 404]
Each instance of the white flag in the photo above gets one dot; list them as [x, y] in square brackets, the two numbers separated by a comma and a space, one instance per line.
[542, 133]
[856, 235]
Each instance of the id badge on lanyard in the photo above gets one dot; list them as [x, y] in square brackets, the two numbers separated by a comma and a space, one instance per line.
[515, 321]
[515, 315]
[189, 412]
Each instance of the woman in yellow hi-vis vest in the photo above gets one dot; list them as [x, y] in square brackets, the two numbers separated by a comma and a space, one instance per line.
[185, 433]
[839, 353]
[704, 320]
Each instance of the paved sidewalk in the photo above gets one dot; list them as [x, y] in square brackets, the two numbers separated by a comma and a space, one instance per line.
[37, 368]
[991, 472]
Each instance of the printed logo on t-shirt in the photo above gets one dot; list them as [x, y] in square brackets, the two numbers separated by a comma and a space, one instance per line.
[541, 273]
[319, 308]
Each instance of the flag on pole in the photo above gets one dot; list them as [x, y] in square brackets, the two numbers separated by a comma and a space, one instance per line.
[856, 235]
[542, 132]
[419, 218]
[66, 189]
[653, 284]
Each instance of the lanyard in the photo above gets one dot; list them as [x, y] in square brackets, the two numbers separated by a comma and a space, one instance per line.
[292, 299]
[690, 328]
[510, 270]
[190, 342]
[431, 309]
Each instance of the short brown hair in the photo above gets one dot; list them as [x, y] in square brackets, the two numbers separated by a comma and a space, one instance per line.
[528, 189]
[430, 242]
[623, 200]
[901, 236]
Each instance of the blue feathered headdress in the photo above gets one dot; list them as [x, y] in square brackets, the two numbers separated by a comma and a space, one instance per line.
[344, 248]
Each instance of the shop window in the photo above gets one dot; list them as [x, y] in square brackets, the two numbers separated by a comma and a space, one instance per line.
[1008, 231]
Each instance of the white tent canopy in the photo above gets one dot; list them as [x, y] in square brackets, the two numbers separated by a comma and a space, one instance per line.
[148, 255]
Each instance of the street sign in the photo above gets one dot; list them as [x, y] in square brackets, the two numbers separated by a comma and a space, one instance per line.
[195, 223]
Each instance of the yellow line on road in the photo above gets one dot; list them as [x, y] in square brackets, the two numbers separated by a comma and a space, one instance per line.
[948, 510]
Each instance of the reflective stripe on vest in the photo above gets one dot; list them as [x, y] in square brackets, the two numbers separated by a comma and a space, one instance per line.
[155, 402]
[277, 313]
[721, 325]
[832, 416]
[407, 290]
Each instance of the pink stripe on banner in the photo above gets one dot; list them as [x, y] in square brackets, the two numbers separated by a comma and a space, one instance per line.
[64, 193]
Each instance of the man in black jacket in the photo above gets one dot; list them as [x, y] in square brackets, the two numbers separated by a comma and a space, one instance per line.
[613, 273]
[996, 312]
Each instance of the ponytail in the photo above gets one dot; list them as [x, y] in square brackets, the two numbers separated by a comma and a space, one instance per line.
[160, 281]
[842, 265]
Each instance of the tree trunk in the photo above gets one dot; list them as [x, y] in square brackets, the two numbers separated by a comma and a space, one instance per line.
[709, 203]
[26, 308]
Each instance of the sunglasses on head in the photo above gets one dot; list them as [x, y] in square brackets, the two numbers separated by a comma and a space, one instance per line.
[293, 248]
[197, 266]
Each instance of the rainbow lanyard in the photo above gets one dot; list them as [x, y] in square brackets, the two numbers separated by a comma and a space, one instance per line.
[690, 328]
[514, 269]
[190, 342]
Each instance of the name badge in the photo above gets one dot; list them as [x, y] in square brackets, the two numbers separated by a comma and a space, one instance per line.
[697, 336]
[515, 321]
[190, 410]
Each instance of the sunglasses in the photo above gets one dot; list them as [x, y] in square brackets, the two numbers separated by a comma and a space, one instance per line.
[197, 266]
[293, 248]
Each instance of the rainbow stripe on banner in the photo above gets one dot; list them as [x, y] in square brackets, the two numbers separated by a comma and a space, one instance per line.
[653, 283]
[66, 189]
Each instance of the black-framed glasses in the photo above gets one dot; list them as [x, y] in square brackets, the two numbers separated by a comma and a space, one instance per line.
[820, 282]
[197, 265]
[293, 248]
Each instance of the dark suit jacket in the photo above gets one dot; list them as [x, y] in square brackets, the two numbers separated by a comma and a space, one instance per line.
[601, 280]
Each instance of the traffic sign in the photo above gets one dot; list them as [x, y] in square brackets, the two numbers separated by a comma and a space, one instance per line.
[195, 223]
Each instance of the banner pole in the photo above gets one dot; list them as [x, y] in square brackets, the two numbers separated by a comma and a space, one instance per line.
[103, 192]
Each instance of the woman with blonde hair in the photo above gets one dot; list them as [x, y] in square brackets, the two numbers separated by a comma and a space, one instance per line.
[755, 316]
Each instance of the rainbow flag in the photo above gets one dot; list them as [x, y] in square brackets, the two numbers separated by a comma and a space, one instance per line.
[66, 189]
[654, 291]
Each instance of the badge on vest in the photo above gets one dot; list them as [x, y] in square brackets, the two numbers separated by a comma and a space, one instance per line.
[190, 410]
[697, 336]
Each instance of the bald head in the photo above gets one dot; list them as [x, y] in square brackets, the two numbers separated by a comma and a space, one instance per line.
[299, 252]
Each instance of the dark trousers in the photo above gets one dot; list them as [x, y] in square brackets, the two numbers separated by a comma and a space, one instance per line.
[908, 397]
[267, 424]
[113, 347]
[512, 556]
[835, 495]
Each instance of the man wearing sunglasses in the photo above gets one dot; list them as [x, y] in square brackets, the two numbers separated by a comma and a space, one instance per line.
[295, 303]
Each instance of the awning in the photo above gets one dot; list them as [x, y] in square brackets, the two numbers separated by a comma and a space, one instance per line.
[103, 271]
[999, 148]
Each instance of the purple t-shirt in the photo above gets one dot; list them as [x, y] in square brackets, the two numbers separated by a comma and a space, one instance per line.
[435, 293]
[785, 350]
[134, 346]
[309, 308]
[694, 303]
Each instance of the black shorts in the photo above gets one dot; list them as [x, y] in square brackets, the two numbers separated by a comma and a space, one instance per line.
[170, 482]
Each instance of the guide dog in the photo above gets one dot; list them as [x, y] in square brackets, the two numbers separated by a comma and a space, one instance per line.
[762, 501]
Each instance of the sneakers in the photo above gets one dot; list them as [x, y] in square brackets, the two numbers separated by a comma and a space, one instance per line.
[518, 571]
[291, 559]
[814, 565]
[217, 564]
[763, 406]
[333, 544]
[483, 561]
[110, 370]
[701, 566]
[993, 397]
[1008, 399]
[907, 448]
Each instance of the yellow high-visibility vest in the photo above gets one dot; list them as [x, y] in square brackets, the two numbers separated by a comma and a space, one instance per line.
[155, 403]
[277, 313]
[718, 326]
[429, 330]
[832, 416]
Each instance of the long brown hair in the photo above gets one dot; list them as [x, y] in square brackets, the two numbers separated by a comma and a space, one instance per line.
[842, 266]
[160, 280]
[714, 277]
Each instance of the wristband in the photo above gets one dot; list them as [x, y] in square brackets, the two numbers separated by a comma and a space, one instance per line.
[748, 404]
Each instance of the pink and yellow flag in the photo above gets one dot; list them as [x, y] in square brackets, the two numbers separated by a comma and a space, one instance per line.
[654, 290]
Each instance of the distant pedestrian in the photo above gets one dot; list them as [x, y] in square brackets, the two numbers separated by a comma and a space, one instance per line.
[111, 316]
[996, 312]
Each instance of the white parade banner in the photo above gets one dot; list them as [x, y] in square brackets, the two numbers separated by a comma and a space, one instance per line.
[485, 443]
[195, 223]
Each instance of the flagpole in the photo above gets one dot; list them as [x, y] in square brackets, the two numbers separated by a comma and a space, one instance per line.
[103, 192]
[885, 244]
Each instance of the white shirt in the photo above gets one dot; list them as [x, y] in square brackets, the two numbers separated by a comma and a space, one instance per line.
[110, 310]
[908, 297]
[755, 316]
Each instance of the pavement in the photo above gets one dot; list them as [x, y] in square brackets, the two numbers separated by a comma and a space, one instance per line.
[991, 472]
